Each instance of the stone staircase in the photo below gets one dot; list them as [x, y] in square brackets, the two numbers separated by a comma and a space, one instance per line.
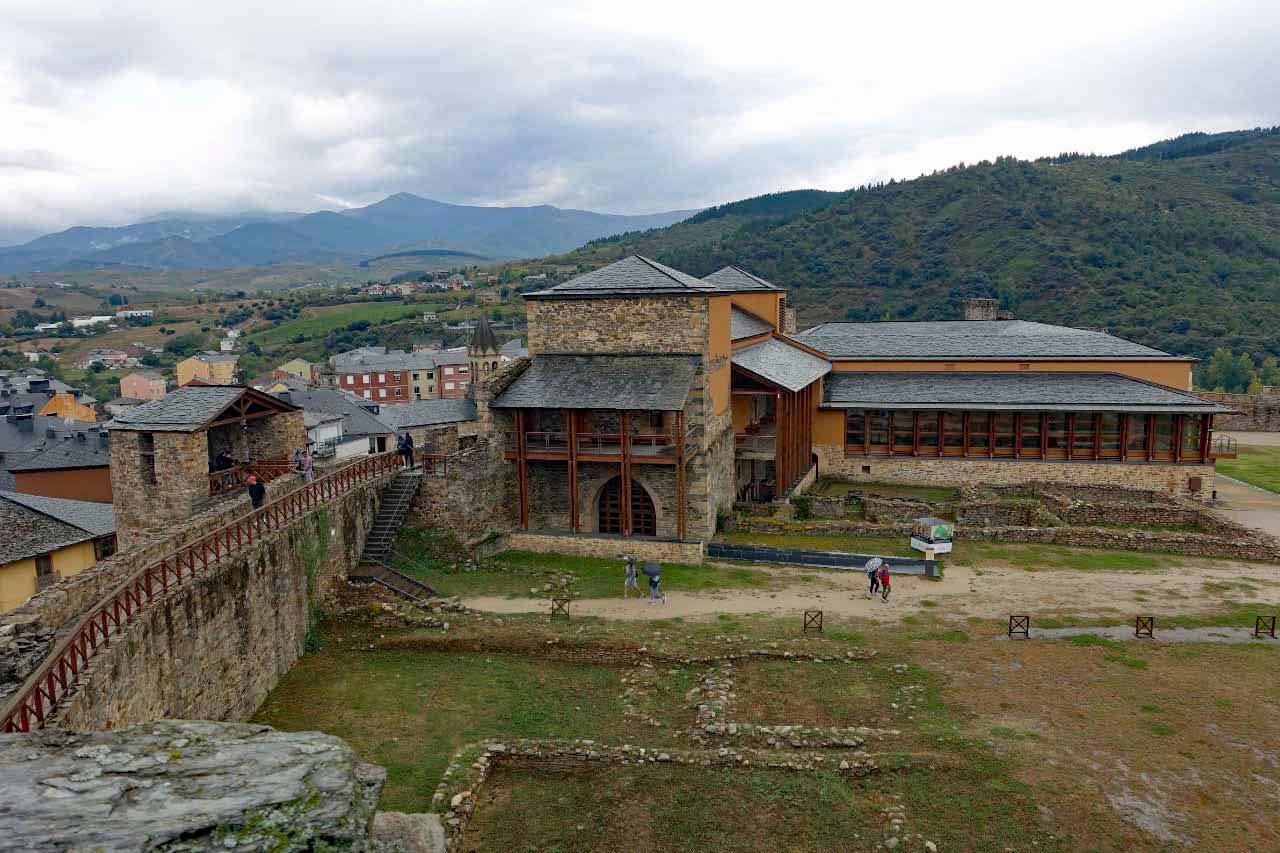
[379, 544]
[391, 512]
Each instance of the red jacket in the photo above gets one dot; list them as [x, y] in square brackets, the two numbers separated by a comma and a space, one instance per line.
[884, 575]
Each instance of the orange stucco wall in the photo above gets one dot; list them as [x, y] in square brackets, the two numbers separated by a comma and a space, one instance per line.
[1175, 374]
[763, 305]
[718, 352]
[66, 406]
[741, 412]
[78, 484]
[828, 427]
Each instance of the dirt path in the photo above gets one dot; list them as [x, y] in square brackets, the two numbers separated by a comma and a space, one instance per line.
[990, 592]
[1248, 505]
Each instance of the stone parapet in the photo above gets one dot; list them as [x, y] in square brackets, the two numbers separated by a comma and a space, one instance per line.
[607, 546]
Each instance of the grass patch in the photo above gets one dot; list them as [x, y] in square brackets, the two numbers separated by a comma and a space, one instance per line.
[1093, 640]
[1258, 466]
[1125, 660]
[318, 321]
[1163, 730]
[925, 602]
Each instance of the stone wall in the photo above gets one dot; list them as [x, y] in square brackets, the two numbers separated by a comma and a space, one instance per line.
[185, 785]
[1166, 479]
[473, 496]
[1000, 514]
[894, 510]
[215, 646]
[656, 324]
[606, 546]
[157, 490]
[1257, 412]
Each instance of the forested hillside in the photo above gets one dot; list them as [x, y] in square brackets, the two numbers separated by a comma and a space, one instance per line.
[1164, 245]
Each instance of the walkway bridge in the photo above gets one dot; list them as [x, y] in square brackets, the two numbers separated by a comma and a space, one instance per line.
[55, 681]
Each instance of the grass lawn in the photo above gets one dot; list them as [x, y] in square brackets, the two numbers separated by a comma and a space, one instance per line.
[1258, 466]
[514, 573]
[410, 710]
[319, 321]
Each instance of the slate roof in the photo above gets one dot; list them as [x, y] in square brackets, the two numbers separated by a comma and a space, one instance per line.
[737, 279]
[1044, 391]
[634, 275]
[92, 517]
[357, 420]
[782, 364]
[27, 532]
[427, 413]
[185, 409]
[482, 339]
[745, 325]
[210, 356]
[514, 349]
[91, 452]
[652, 382]
[971, 339]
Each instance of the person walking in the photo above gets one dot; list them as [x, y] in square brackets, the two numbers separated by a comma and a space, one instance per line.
[256, 492]
[872, 569]
[408, 449]
[308, 466]
[654, 571]
[297, 459]
[629, 581]
[884, 582]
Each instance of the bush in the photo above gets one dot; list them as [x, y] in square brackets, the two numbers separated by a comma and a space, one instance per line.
[804, 507]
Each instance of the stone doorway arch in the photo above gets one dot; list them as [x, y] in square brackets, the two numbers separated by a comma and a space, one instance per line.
[644, 516]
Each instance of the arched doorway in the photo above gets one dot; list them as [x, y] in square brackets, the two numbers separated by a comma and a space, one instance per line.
[644, 520]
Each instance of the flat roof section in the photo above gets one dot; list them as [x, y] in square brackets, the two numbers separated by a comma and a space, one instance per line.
[1039, 391]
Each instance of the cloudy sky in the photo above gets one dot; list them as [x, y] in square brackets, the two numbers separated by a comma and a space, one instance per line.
[114, 111]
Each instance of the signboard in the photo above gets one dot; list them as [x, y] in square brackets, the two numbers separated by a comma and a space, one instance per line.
[932, 534]
[919, 544]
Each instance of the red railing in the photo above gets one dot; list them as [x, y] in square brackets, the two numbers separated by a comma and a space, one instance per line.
[40, 695]
[232, 479]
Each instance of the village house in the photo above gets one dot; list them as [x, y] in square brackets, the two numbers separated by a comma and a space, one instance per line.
[70, 464]
[44, 540]
[211, 368]
[143, 385]
[135, 314]
[395, 376]
[651, 400]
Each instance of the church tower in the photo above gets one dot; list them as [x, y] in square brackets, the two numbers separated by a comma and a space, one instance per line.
[483, 352]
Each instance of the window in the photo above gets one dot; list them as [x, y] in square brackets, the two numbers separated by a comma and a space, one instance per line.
[415, 377]
[104, 547]
[463, 369]
[147, 453]
[1136, 445]
[448, 386]
[351, 380]
[1110, 447]
[1082, 436]
[431, 374]
[1162, 440]
[399, 392]
[366, 393]
[1004, 433]
[979, 438]
[44, 565]
[364, 377]
[382, 378]
[928, 432]
[855, 429]
[1055, 440]
[1191, 434]
[395, 377]
[878, 430]
[1029, 439]
[904, 430]
[953, 433]
[382, 392]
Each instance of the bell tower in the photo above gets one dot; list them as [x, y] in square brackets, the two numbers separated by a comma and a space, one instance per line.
[482, 351]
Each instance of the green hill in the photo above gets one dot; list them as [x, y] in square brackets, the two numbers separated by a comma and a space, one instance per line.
[1176, 245]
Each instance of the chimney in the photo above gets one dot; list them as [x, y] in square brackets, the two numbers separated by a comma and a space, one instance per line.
[977, 308]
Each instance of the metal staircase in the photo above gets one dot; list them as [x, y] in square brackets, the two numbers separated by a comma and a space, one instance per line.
[380, 542]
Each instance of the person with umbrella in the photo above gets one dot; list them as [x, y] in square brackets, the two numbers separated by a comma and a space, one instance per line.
[654, 571]
[629, 579]
[872, 569]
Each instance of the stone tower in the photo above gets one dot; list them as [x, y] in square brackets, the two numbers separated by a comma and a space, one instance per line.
[977, 308]
[482, 351]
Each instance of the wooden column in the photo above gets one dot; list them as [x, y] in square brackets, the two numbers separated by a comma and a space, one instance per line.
[680, 474]
[866, 433]
[991, 435]
[965, 430]
[779, 444]
[1097, 436]
[942, 436]
[1044, 435]
[522, 469]
[624, 430]
[1206, 433]
[571, 425]
[1124, 436]
[1071, 435]
[1178, 421]
[1017, 435]
[915, 433]
[1150, 449]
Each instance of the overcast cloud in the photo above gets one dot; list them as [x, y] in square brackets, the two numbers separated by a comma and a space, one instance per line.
[114, 111]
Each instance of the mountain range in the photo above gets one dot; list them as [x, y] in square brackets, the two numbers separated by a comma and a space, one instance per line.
[397, 223]
[1175, 244]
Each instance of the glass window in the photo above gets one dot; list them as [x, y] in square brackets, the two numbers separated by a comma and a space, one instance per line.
[1004, 433]
[904, 429]
[1055, 430]
[1163, 438]
[1110, 435]
[929, 430]
[1191, 426]
[1029, 443]
[1082, 437]
[878, 428]
[1137, 443]
[953, 430]
[979, 423]
[855, 427]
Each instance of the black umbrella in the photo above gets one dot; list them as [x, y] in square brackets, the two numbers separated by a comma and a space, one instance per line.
[652, 569]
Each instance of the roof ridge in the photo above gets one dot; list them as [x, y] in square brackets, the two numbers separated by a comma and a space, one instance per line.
[666, 270]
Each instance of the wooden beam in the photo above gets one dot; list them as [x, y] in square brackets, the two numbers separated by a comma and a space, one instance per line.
[1097, 436]
[1149, 449]
[238, 419]
[1124, 435]
[571, 424]
[964, 430]
[680, 497]
[1071, 435]
[1017, 435]
[1044, 435]
[915, 432]
[1178, 421]
[624, 429]
[522, 469]
[991, 435]
[1206, 434]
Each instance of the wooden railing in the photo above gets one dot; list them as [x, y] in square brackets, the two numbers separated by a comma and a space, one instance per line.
[233, 479]
[598, 443]
[1223, 447]
[32, 706]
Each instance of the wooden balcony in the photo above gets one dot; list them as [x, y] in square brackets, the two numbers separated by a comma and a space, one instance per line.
[654, 448]
[754, 445]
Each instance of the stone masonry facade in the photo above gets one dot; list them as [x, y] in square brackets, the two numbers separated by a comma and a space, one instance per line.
[1256, 412]
[656, 324]
[1190, 481]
